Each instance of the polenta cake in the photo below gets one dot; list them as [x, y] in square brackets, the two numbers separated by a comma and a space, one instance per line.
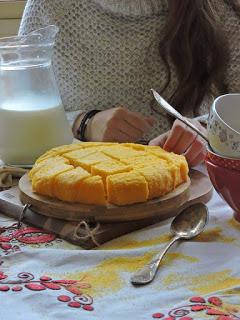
[100, 173]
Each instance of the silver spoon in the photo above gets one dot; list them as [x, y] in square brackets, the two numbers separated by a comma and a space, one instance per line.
[173, 112]
[186, 225]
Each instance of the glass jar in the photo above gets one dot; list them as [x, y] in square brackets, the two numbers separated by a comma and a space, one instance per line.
[32, 117]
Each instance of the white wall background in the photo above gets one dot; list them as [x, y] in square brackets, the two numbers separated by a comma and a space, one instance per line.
[10, 16]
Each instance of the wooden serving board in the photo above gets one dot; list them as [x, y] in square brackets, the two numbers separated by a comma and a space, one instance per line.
[198, 188]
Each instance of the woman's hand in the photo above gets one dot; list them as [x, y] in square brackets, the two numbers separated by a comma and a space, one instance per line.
[118, 124]
[182, 140]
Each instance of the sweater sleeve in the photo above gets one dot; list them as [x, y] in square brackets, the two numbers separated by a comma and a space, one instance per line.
[40, 13]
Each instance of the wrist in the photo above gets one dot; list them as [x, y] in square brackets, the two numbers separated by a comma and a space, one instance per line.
[84, 129]
[88, 131]
[77, 123]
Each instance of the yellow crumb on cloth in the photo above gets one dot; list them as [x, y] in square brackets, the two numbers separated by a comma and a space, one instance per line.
[202, 283]
[115, 267]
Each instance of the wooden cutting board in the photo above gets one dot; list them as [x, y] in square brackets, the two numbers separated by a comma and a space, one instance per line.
[198, 188]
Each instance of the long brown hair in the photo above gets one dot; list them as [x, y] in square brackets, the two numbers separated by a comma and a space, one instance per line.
[195, 43]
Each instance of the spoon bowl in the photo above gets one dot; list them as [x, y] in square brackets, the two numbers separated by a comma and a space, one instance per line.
[190, 222]
[186, 225]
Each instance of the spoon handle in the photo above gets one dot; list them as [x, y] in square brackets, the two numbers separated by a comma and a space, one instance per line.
[168, 108]
[147, 273]
[194, 128]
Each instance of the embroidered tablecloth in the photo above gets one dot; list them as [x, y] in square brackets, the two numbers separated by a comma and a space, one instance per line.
[45, 278]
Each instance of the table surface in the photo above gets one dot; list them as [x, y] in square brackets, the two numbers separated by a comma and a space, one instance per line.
[42, 277]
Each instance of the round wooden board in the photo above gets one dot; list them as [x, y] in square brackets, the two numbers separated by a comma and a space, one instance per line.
[182, 195]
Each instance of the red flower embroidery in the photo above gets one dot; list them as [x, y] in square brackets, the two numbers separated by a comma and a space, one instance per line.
[211, 307]
[26, 235]
[215, 312]
[25, 280]
[158, 315]
[197, 300]
[215, 301]
[78, 299]
[64, 298]
[2, 276]
[198, 308]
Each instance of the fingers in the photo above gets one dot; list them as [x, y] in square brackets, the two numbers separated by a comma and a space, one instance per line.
[174, 137]
[160, 140]
[150, 120]
[199, 159]
[118, 136]
[186, 138]
[182, 140]
[132, 132]
[138, 121]
[118, 124]
[126, 126]
[196, 153]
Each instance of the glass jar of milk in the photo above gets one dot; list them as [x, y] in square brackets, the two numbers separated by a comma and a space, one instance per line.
[32, 118]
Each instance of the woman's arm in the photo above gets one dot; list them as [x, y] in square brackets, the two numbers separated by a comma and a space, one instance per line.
[114, 124]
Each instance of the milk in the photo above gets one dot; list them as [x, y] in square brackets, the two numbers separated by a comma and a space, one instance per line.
[29, 126]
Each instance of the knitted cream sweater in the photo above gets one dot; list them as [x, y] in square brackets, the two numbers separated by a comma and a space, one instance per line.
[106, 52]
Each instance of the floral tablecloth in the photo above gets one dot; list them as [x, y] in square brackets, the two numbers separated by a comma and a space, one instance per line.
[42, 277]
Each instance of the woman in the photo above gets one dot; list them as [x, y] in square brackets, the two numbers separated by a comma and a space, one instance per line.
[110, 53]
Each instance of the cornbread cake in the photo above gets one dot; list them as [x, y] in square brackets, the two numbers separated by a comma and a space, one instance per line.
[100, 173]
[43, 179]
[127, 187]
[107, 168]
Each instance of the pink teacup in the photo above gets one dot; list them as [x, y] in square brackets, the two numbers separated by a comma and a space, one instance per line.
[222, 161]
[226, 181]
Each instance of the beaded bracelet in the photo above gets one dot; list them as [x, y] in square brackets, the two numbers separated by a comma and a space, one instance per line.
[83, 125]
